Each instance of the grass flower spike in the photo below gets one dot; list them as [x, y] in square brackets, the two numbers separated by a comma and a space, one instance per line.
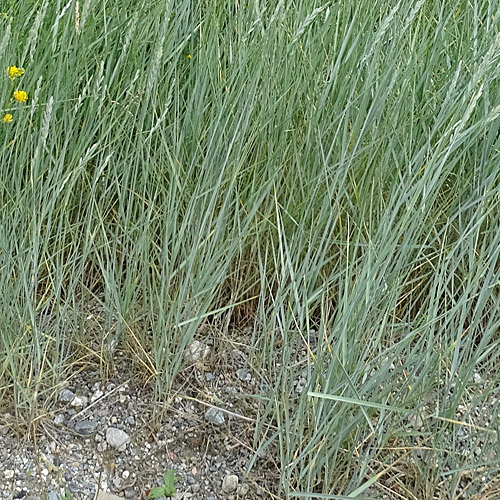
[20, 96]
[15, 72]
[7, 118]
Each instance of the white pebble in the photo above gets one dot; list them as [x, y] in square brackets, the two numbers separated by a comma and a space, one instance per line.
[117, 438]
[230, 483]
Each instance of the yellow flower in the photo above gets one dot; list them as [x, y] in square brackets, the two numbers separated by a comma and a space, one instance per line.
[14, 72]
[7, 118]
[20, 96]
[189, 56]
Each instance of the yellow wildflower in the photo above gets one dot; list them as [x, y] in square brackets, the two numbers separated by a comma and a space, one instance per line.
[15, 72]
[7, 118]
[189, 56]
[20, 96]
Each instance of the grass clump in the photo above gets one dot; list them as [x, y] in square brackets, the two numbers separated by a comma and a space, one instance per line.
[327, 165]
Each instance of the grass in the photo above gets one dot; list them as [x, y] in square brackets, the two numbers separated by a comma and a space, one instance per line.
[295, 165]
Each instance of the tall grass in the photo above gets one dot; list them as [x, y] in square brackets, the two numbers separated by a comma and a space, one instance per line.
[328, 165]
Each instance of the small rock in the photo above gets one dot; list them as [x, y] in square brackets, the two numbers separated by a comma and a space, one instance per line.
[197, 351]
[59, 419]
[53, 495]
[215, 416]
[477, 378]
[86, 427]
[79, 402]
[244, 375]
[66, 396]
[125, 474]
[242, 490]
[117, 438]
[230, 483]
[209, 376]
[107, 496]
[8, 474]
[102, 446]
[97, 394]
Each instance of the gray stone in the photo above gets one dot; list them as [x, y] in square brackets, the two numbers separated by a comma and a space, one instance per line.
[243, 374]
[107, 496]
[86, 427]
[215, 416]
[59, 419]
[97, 394]
[230, 483]
[66, 396]
[117, 438]
[79, 401]
[242, 490]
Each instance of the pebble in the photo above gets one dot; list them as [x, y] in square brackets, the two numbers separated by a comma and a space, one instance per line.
[102, 446]
[215, 416]
[66, 396]
[300, 385]
[244, 375]
[117, 438]
[86, 427]
[197, 351]
[230, 483]
[59, 419]
[8, 474]
[242, 490]
[97, 394]
[79, 402]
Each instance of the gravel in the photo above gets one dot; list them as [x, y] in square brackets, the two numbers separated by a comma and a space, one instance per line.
[111, 437]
